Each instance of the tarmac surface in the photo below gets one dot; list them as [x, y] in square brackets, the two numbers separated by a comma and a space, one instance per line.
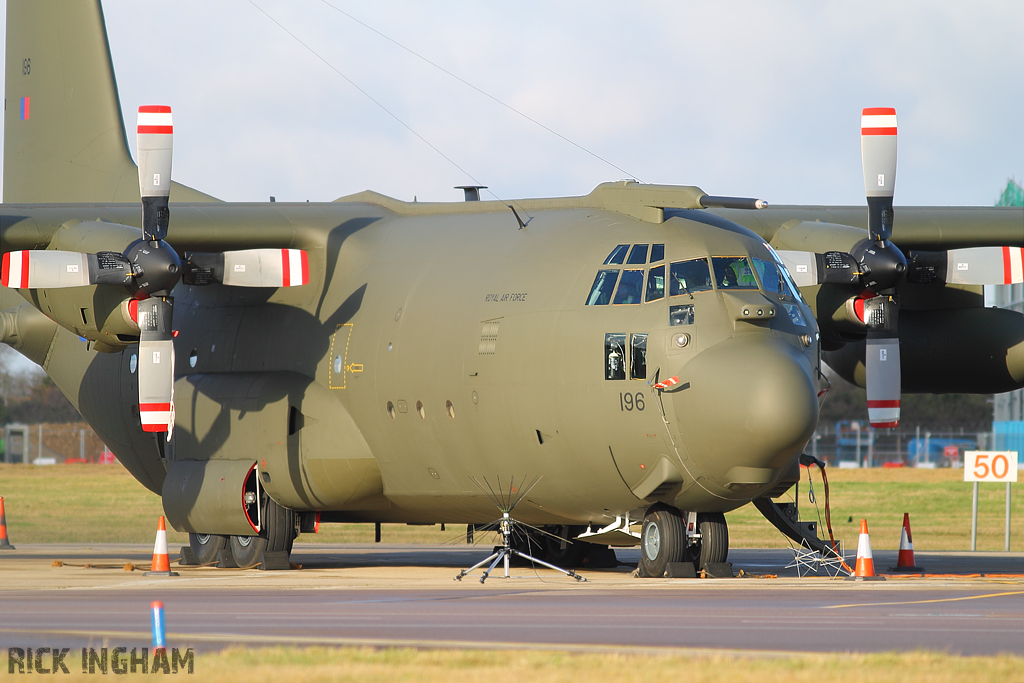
[404, 595]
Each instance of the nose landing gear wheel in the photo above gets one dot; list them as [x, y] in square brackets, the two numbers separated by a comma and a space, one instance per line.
[662, 540]
[713, 545]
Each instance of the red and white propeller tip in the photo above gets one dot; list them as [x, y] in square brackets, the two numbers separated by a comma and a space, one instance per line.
[155, 141]
[878, 150]
[266, 268]
[44, 269]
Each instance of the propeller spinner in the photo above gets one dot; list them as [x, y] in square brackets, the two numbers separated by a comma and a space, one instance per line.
[150, 268]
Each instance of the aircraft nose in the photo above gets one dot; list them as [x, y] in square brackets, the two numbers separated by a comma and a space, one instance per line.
[750, 408]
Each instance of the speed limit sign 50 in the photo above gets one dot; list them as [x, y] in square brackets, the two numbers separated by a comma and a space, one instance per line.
[999, 466]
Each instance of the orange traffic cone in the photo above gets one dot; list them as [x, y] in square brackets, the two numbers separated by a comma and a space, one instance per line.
[5, 544]
[161, 563]
[905, 560]
[865, 568]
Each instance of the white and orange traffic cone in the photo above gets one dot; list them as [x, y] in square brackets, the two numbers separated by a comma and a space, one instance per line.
[161, 562]
[5, 543]
[865, 567]
[905, 561]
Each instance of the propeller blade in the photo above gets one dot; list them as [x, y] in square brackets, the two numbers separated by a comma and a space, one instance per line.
[974, 266]
[878, 159]
[882, 362]
[39, 269]
[48, 269]
[156, 364]
[809, 268]
[249, 268]
[155, 132]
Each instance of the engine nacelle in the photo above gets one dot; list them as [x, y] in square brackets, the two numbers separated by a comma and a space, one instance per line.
[98, 313]
[213, 497]
[958, 351]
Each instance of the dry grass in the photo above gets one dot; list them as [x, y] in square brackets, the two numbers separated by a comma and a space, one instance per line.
[104, 504]
[440, 666]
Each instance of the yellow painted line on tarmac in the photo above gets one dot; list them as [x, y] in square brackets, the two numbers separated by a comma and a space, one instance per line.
[923, 602]
[277, 640]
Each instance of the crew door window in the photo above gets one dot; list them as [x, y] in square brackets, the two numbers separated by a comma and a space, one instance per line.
[615, 356]
[638, 356]
[622, 360]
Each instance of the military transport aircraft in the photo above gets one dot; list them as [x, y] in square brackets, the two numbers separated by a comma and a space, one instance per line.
[645, 353]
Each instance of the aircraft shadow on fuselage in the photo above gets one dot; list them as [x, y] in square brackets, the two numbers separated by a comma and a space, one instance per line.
[294, 342]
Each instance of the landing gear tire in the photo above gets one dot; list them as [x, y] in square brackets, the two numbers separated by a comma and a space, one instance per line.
[206, 547]
[662, 540]
[247, 550]
[278, 534]
[713, 545]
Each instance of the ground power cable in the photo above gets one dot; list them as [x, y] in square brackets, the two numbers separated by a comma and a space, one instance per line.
[370, 97]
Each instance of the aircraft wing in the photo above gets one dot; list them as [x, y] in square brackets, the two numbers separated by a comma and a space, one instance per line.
[916, 227]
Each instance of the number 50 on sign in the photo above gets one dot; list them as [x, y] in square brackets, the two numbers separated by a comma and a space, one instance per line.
[999, 466]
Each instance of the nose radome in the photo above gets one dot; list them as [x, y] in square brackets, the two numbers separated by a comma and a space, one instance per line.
[750, 408]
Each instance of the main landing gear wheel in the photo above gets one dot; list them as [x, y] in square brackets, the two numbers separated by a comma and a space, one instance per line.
[662, 540]
[206, 547]
[574, 552]
[713, 545]
[278, 534]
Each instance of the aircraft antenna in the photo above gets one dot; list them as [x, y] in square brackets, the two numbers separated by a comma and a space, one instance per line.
[369, 96]
[510, 529]
[483, 92]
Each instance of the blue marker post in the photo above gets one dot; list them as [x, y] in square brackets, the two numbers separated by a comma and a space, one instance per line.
[159, 643]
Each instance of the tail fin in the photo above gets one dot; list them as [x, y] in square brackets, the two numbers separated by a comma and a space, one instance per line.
[64, 138]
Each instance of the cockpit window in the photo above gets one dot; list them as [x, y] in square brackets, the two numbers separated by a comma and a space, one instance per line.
[601, 292]
[733, 272]
[680, 315]
[631, 285]
[655, 284]
[637, 255]
[790, 287]
[657, 253]
[687, 277]
[770, 277]
[618, 255]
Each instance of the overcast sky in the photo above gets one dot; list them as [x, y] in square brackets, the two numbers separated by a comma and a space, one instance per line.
[745, 98]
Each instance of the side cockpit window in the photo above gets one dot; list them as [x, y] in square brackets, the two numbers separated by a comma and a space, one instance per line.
[733, 272]
[631, 281]
[771, 279]
[631, 285]
[687, 277]
[655, 284]
[680, 315]
[604, 284]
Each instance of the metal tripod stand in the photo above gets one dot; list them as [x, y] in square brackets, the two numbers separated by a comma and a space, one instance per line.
[506, 551]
